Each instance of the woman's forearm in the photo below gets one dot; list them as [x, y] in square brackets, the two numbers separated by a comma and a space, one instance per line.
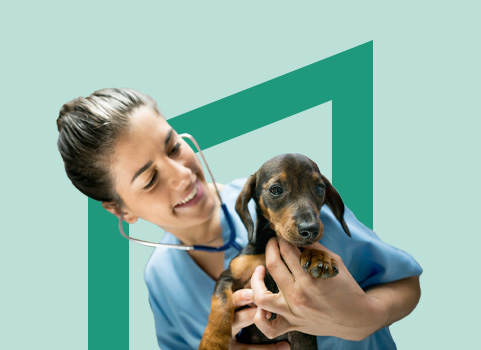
[333, 307]
[396, 300]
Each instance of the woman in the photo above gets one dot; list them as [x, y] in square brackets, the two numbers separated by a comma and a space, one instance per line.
[119, 149]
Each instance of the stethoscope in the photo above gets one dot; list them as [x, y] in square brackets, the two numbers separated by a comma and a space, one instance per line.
[230, 243]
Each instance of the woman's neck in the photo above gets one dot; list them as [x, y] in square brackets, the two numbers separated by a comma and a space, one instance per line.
[208, 232]
[211, 263]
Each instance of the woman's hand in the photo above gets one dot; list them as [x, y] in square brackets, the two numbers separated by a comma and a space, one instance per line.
[333, 307]
[244, 318]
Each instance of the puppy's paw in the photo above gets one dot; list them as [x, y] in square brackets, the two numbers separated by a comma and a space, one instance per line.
[318, 264]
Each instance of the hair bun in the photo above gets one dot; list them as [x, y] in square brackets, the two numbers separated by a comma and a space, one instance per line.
[68, 107]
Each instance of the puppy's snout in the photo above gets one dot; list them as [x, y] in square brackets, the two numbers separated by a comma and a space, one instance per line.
[308, 231]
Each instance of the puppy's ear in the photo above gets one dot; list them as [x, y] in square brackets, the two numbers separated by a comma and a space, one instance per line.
[241, 205]
[334, 201]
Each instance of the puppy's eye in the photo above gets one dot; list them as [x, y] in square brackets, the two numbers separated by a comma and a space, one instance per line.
[276, 190]
[320, 189]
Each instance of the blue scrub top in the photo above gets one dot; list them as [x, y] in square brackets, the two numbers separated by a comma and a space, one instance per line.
[180, 291]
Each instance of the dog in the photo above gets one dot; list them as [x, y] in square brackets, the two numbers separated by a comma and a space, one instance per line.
[289, 191]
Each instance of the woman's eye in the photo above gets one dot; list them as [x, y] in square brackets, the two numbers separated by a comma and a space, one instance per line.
[320, 189]
[152, 181]
[276, 190]
[175, 149]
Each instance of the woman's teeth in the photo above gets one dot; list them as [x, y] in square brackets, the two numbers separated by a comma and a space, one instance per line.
[190, 196]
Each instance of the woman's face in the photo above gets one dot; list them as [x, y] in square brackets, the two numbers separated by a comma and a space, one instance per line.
[158, 176]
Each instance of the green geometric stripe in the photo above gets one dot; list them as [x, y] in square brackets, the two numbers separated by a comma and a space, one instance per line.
[346, 79]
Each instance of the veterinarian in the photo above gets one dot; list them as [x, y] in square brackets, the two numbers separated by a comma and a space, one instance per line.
[119, 149]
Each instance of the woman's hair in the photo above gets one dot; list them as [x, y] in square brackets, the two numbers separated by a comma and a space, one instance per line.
[88, 129]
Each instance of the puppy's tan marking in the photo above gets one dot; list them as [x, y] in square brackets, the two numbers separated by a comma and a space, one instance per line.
[263, 208]
[243, 266]
[282, 176]
[283, 223]
[219, 329]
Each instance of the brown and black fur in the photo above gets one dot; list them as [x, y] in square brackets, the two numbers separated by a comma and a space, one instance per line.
[289, 191]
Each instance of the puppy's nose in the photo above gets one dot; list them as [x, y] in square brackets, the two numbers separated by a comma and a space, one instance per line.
[308, 230]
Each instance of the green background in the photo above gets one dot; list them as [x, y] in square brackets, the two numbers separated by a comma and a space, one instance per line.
[188, 54]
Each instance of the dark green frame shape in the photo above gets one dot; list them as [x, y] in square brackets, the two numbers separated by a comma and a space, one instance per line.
[346, 79]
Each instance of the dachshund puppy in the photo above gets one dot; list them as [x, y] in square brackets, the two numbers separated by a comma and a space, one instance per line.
[289, 191]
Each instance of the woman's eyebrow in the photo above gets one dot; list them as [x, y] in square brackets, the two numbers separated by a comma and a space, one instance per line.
[141, 170]
[169, 135]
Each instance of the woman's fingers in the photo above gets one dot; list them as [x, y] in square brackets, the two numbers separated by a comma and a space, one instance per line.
[243, 318]
[270, 329]
[272, 302]
[286, 254]
[290, 255]
[275, 265]
[243, 297]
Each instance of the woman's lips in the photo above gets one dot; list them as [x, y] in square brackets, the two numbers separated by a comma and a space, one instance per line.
[193, 197]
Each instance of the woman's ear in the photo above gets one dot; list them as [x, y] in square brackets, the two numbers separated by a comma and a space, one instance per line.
[114, 208]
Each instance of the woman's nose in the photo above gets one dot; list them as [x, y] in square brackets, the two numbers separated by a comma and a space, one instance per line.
[180, 176]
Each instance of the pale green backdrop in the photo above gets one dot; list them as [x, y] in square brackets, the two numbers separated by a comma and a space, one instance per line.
[189, 53]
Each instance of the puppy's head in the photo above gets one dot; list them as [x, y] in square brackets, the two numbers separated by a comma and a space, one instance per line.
[289, 191]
